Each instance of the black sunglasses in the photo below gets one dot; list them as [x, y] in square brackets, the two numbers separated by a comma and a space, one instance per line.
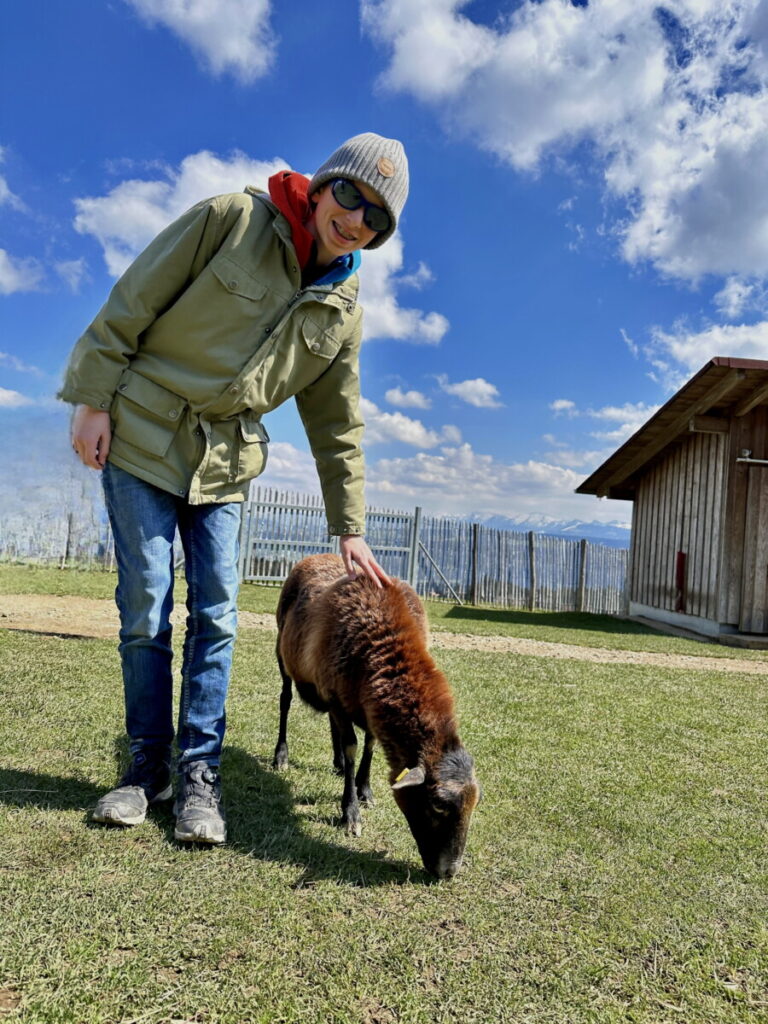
[349, 196]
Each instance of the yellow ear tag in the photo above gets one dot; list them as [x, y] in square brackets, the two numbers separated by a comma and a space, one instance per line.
[402, 774]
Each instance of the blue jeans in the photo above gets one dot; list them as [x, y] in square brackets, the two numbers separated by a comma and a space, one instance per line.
[144, 520]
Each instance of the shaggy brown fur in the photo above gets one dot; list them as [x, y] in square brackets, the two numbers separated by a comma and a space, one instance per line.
[360, 653]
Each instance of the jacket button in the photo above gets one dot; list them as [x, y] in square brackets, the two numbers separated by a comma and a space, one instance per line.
[267, 330]
[233, 284]
[102, 405]
[121, 387]
[234, 389]
[173, 414]
[181, 492]
[350, 308]
[316, 346]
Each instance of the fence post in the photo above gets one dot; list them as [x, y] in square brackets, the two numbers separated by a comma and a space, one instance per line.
[582, 575]
[532, 568]
[475, 580]
[413, 553]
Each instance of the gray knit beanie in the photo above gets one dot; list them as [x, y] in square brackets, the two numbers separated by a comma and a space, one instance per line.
[378, 162]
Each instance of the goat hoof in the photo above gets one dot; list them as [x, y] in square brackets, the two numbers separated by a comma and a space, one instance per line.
[353, 827]
[366, 798]
[280, 760]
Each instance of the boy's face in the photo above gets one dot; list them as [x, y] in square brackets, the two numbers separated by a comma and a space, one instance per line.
[338, 231]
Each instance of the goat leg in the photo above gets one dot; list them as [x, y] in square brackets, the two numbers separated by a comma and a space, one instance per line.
[363, 777]
[350, 807]
[338, 753]
[280, 759]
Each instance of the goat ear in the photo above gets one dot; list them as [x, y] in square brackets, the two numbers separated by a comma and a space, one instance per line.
[410, 777]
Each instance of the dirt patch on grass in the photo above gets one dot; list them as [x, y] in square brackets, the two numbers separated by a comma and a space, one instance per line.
[91, 617]
[85, 616]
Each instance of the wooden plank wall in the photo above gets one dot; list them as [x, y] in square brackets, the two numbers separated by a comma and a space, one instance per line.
[679, 507]
[747, 432]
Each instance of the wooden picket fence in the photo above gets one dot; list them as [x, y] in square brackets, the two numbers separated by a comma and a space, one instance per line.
[442, 557]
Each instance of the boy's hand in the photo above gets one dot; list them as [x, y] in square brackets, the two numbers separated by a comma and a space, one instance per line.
[91, 436]
[355, 551]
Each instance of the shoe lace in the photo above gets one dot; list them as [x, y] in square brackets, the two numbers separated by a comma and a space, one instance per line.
[142, 770]
[201, 785]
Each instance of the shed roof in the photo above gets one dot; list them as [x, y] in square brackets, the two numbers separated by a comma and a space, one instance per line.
[722, 389]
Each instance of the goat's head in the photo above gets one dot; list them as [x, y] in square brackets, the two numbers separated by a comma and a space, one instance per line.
[437, 801]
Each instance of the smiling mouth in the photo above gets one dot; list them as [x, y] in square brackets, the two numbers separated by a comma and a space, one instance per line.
[344, 235]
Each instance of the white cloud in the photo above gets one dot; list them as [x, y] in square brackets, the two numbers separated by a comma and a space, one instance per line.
[381, 427]
[72, 272]
[228, 35]
[290, 468]
[673, 99]
[133, 212]
[692, 349]
[632, 345]
[421, 277]
[13, 399]
[627, 419]
[736, 296]
[458, 481]
[384, 317]
[407, 399]
[571, 458]
[14, 363]
[7, 197]
[478, 392]
[19, 275]
[563, 406]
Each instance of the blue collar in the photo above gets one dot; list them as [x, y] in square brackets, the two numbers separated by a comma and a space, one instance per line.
[341, 268]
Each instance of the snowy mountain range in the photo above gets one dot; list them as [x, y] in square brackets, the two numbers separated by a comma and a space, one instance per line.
[615, 534]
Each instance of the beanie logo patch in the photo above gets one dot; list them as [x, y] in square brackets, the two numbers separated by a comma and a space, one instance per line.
[385, 167]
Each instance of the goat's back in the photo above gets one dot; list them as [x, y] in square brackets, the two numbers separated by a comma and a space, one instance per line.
[333, 629]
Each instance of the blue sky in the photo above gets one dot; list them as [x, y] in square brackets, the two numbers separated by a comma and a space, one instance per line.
[587, 223]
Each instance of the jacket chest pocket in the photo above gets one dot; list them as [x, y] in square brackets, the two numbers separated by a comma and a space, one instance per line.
[318, 340]
[236, 280]
[146, 415]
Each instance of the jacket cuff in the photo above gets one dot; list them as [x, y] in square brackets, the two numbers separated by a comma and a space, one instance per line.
[76, 397]
[341, 529]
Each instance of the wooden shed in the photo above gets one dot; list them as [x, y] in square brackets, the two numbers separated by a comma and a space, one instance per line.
[697, 474]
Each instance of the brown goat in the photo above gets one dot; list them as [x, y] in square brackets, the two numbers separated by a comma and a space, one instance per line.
[360, 653]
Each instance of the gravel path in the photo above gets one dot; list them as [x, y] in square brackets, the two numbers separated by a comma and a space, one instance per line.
[89, 617]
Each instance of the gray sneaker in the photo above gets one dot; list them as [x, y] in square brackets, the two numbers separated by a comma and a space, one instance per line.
[147, 781]
[199, 813]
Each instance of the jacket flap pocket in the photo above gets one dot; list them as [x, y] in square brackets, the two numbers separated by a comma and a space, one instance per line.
[153, 397]
[319, 341]
[237, 280]
[252, 429]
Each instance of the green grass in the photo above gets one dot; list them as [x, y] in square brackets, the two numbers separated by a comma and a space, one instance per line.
[615, 871]
[556, 627]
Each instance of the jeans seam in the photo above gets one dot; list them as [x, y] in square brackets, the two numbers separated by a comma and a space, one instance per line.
[192, 631]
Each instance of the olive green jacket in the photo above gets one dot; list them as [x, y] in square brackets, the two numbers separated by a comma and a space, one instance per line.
[208, 330]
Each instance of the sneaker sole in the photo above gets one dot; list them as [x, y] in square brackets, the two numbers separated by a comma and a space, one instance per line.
[193, 837]
[110, 817]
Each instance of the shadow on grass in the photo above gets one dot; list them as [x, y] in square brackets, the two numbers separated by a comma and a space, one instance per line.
[261, 818]
[560, 620]
[263, 823]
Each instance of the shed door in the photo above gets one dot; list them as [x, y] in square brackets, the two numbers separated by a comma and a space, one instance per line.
[754, 588]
